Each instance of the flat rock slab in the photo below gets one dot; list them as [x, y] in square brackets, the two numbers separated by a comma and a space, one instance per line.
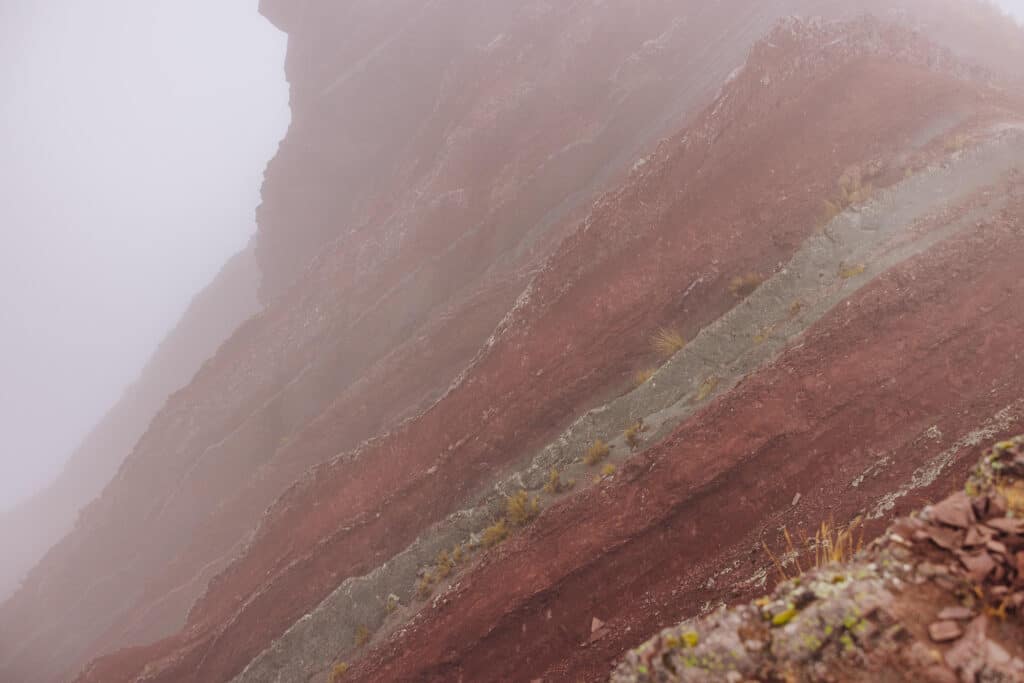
[944, 631]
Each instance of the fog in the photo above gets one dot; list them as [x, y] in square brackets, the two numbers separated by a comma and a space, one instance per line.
[1014, 7]
[133, 139]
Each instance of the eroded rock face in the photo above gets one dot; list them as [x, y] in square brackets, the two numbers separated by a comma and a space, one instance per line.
[444, 297]
[938, 597]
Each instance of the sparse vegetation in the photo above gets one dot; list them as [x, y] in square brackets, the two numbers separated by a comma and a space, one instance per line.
[955, 143]
[494, 534]
[830, 209]
[597, 452]
[608, 470]
[668, 342]
[829, 544]
[743, 286]
[1014, 495]
[849, 271]
[643, 376]
[444, 565]
[425, 586]
[338, 672]
[853, 189]
[555, 484]
[707, 387]
[391, 604]
[520, 509]
[362, 636]
[765, 333]
[634, 432]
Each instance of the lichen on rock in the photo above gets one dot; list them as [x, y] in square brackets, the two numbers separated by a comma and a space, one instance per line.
[937, 598]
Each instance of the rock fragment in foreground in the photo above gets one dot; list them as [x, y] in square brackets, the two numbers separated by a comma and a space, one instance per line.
[938, 598]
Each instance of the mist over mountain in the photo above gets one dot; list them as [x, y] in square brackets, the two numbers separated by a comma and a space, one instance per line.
[476, 340]
[134, 140]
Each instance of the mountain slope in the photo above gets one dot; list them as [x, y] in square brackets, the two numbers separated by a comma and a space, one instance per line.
[584, 324]
[928, 601]
[445, 300]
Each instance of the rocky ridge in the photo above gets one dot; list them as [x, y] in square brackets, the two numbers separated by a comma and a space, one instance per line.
[938, 598]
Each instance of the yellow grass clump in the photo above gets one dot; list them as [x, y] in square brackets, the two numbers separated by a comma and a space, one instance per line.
[668, 342]
[495, 534]
[362, 635]
[597, 452]
[643, 376]
[338, 672]
[634, 432]
[707, 387]
[555, 483]
[520, 508]
[743, 286]
[829, 544]
[846, 272]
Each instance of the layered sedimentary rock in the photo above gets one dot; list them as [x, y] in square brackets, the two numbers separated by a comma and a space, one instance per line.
[450, 313]
[929, 601]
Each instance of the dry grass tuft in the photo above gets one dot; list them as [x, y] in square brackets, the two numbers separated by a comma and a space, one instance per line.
[634, 433]
[846, 272]
[829, 210]
[444, 565]
[829, 544]
[668, 342]
[597, 452]
[608, 470]
[555, 484]
[495, 534]
[362, 636]
[707, 387]
[743, 286]
[854, 188]
[955, 143]
[425, 586]
[1014, 495]
[643, 376]
[338, 672]
[520, 509]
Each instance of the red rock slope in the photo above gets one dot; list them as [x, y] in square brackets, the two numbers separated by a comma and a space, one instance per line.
[638, 260]
[439, 154]
[937, 598]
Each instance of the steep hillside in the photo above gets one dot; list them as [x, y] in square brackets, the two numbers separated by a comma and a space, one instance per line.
[30, 529]
[937, 598]
[482, 214]
[660, 251]
[872, 337]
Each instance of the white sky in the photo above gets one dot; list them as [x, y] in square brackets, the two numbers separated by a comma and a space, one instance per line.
[1014, 7]
[133, 137]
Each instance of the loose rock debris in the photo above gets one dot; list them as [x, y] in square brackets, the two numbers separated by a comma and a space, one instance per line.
[938, 598]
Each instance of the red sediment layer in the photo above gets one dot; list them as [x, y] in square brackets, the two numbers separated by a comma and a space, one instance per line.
[738, 192]
[932, 343]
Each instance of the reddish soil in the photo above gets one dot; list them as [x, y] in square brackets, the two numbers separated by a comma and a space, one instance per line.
[587, 317]
[425, 207]
[933, 342]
